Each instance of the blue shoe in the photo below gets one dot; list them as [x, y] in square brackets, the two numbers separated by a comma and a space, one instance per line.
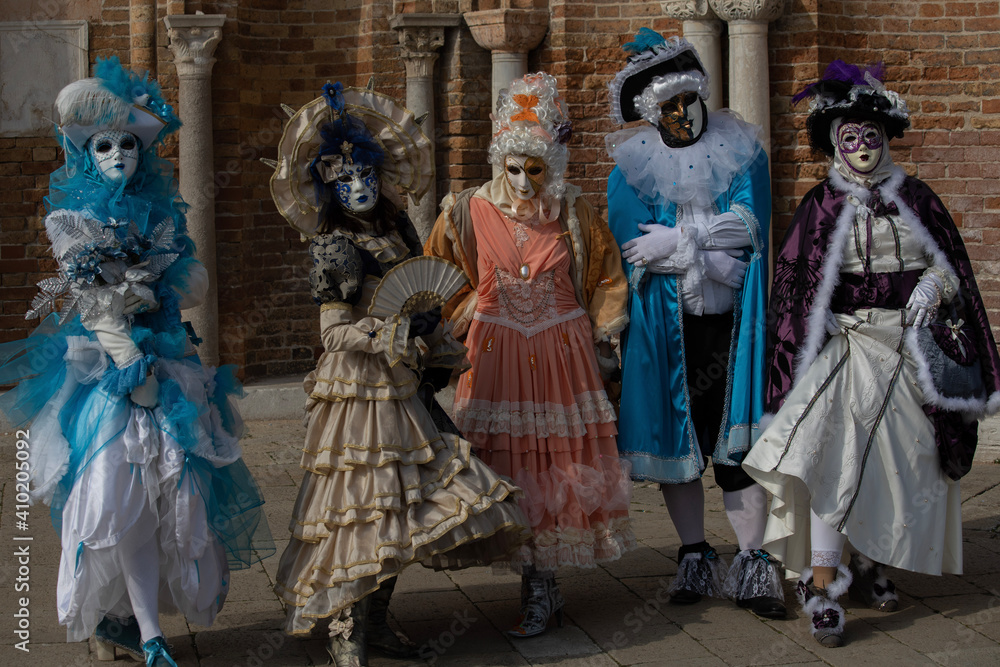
[157, 654]
[115, 636]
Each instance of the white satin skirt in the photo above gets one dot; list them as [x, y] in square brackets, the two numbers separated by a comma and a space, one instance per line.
[852, 443]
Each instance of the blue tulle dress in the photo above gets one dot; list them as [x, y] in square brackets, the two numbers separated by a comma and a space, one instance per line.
[115, 474]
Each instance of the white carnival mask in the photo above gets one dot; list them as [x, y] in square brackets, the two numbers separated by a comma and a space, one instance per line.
[357, 187]
[115, 154]
[525, 174]
[860, 145]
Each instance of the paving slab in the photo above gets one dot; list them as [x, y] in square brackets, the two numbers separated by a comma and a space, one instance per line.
[616, 614]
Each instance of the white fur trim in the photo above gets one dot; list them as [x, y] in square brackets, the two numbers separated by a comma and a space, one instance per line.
[816, 334]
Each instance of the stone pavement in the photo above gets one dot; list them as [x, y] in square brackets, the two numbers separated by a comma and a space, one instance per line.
[614, 614]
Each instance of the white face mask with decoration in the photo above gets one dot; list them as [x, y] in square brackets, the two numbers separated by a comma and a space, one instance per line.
[860, 145]
[357, 187]
[115, 154]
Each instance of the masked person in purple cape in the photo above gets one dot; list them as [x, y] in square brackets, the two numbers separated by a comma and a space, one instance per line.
[134, 444]
[882, 360]
[388, 482]
[689, 202]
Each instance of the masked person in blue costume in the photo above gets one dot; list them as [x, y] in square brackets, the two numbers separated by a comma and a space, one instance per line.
[134, 444]
[689, 202]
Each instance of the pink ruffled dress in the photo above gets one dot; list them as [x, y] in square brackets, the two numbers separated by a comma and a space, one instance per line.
[533, 405]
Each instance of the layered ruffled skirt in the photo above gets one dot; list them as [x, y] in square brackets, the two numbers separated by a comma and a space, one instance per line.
[536, 411]
[852, 443]
[383, 489]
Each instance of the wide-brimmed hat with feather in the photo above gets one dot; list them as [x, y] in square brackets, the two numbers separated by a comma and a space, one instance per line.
[849, 91]
[114, 99]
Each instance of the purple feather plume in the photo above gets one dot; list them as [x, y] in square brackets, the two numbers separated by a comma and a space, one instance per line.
[838, 70]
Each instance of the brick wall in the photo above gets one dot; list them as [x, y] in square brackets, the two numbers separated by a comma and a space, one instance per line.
[942, 56]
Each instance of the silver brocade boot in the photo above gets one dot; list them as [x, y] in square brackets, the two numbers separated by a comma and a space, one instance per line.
[349, 648]
[543, 600]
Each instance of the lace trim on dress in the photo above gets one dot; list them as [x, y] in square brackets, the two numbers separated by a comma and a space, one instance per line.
[520, 418]
[529, 331]
[561, 547]
[825, 558]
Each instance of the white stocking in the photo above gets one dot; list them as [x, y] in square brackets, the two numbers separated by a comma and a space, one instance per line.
[686, 505]
[141, 567]
[748, 515]
[827, 543]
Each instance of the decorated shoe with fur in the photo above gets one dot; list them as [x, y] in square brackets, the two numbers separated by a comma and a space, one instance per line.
[827, 617]
[871, 586]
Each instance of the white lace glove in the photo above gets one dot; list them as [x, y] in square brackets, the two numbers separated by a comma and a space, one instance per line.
[657, 242]
[146, 394]
[723, 268]
[136, 304]
[922, 307]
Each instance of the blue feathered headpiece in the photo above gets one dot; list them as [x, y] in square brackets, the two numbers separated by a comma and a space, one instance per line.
[345, 140]
[114, 99]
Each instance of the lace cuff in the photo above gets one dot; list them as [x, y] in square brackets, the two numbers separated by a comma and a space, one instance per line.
[949, 282]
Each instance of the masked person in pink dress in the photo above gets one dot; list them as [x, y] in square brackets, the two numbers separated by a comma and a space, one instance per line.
[548, 294]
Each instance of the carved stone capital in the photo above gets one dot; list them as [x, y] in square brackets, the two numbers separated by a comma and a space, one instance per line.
[419, 47]
[508, 30]
[748, 10]
[193, 38]
[689, 10]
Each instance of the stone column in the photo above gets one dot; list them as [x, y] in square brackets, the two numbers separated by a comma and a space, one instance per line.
[420, 37]
[749, 81]
[704, 30]
[193, 38]
[508, 34]
[142, 37]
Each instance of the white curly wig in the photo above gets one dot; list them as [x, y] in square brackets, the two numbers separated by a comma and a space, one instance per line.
[531, 120]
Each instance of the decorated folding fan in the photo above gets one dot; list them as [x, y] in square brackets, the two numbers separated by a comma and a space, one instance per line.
[415, 286]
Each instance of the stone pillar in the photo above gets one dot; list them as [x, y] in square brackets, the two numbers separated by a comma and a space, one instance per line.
[508, 34]
[749, 81]
[193, 38]
[142, 36]
[704, 30]
[420, 37]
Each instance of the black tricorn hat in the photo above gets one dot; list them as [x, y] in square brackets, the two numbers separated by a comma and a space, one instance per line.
[847, 91]
[654, 56]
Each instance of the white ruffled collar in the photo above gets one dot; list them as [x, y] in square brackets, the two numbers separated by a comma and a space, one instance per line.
[699, 172]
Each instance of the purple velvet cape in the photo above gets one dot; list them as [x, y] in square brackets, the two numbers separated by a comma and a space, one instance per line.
[798, 273]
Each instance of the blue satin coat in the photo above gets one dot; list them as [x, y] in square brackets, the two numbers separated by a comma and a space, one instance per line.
[655, 430]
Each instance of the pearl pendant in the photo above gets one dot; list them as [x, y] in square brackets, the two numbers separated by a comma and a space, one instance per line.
[525, 272]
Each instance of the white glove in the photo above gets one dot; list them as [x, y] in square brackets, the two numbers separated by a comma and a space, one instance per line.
[136, 304]
[657, 242]
[922, 307]
[721, 267]
[146, 394]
